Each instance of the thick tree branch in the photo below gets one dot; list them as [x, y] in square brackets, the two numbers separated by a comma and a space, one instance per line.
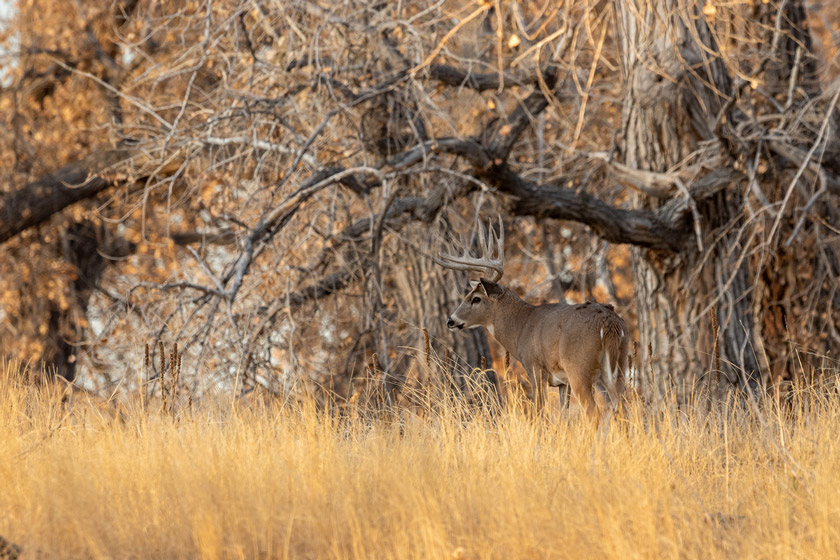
[662, 229]
[451, 76]
[38, 201]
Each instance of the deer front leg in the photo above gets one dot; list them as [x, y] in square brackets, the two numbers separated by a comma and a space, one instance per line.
[563, 392]
[535, 377]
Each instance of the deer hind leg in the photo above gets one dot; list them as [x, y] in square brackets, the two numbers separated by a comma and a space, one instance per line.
[602, 395]
[623, 373]
[608, 390]
[581, 386]
[616, 389]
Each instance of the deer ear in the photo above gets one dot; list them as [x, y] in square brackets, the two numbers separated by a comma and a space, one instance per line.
[493, 290]
[473, 285]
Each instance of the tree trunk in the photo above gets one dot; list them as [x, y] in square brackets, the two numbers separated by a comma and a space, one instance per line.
[800, 303]
[88, 248]
[671, 106]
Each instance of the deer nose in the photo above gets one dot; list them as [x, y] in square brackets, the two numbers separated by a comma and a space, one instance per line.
[452, 325]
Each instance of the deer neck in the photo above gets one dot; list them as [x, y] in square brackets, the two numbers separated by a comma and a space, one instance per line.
[509, 315]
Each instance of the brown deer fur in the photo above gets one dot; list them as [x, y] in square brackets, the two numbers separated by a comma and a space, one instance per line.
[584, 345]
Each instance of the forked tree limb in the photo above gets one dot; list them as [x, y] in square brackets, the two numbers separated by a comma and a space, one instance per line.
[279, 216]
[664, 229]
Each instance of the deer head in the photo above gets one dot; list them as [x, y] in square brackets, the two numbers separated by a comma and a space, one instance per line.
[476, 308]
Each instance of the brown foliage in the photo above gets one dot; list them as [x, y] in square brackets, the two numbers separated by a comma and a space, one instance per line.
[282, 165]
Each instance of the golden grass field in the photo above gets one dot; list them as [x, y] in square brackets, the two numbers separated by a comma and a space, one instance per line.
[88, 479]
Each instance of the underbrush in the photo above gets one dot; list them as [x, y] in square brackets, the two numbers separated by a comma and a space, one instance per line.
[126, 478]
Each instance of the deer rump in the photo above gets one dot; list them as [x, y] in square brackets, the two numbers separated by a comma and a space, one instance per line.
[591, 339]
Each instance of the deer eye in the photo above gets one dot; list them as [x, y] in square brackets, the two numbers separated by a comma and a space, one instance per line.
[476, 299]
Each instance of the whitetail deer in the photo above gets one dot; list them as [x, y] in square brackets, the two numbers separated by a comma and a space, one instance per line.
[582, 345]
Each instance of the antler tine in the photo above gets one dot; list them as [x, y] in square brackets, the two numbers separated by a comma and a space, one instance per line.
[497, 256]
[495, 248]
[491, 262]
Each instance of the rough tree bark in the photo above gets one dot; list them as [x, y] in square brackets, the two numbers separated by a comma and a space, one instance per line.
[674, 95]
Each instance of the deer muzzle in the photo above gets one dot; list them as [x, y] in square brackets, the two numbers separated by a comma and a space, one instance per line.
[452, 325]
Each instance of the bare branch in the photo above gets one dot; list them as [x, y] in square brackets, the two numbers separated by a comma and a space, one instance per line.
[280, 215]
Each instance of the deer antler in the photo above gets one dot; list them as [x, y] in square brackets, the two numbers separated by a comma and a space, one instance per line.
[492, 260]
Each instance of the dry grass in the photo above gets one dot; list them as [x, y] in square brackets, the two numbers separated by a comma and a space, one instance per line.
[87, 481]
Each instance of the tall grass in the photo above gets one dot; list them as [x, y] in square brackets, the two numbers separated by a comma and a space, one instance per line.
[91, 479]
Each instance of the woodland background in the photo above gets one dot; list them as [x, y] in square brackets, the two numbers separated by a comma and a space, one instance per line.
[262, 183]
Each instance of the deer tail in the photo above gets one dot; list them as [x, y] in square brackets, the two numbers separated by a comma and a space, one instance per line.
[614, 357]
